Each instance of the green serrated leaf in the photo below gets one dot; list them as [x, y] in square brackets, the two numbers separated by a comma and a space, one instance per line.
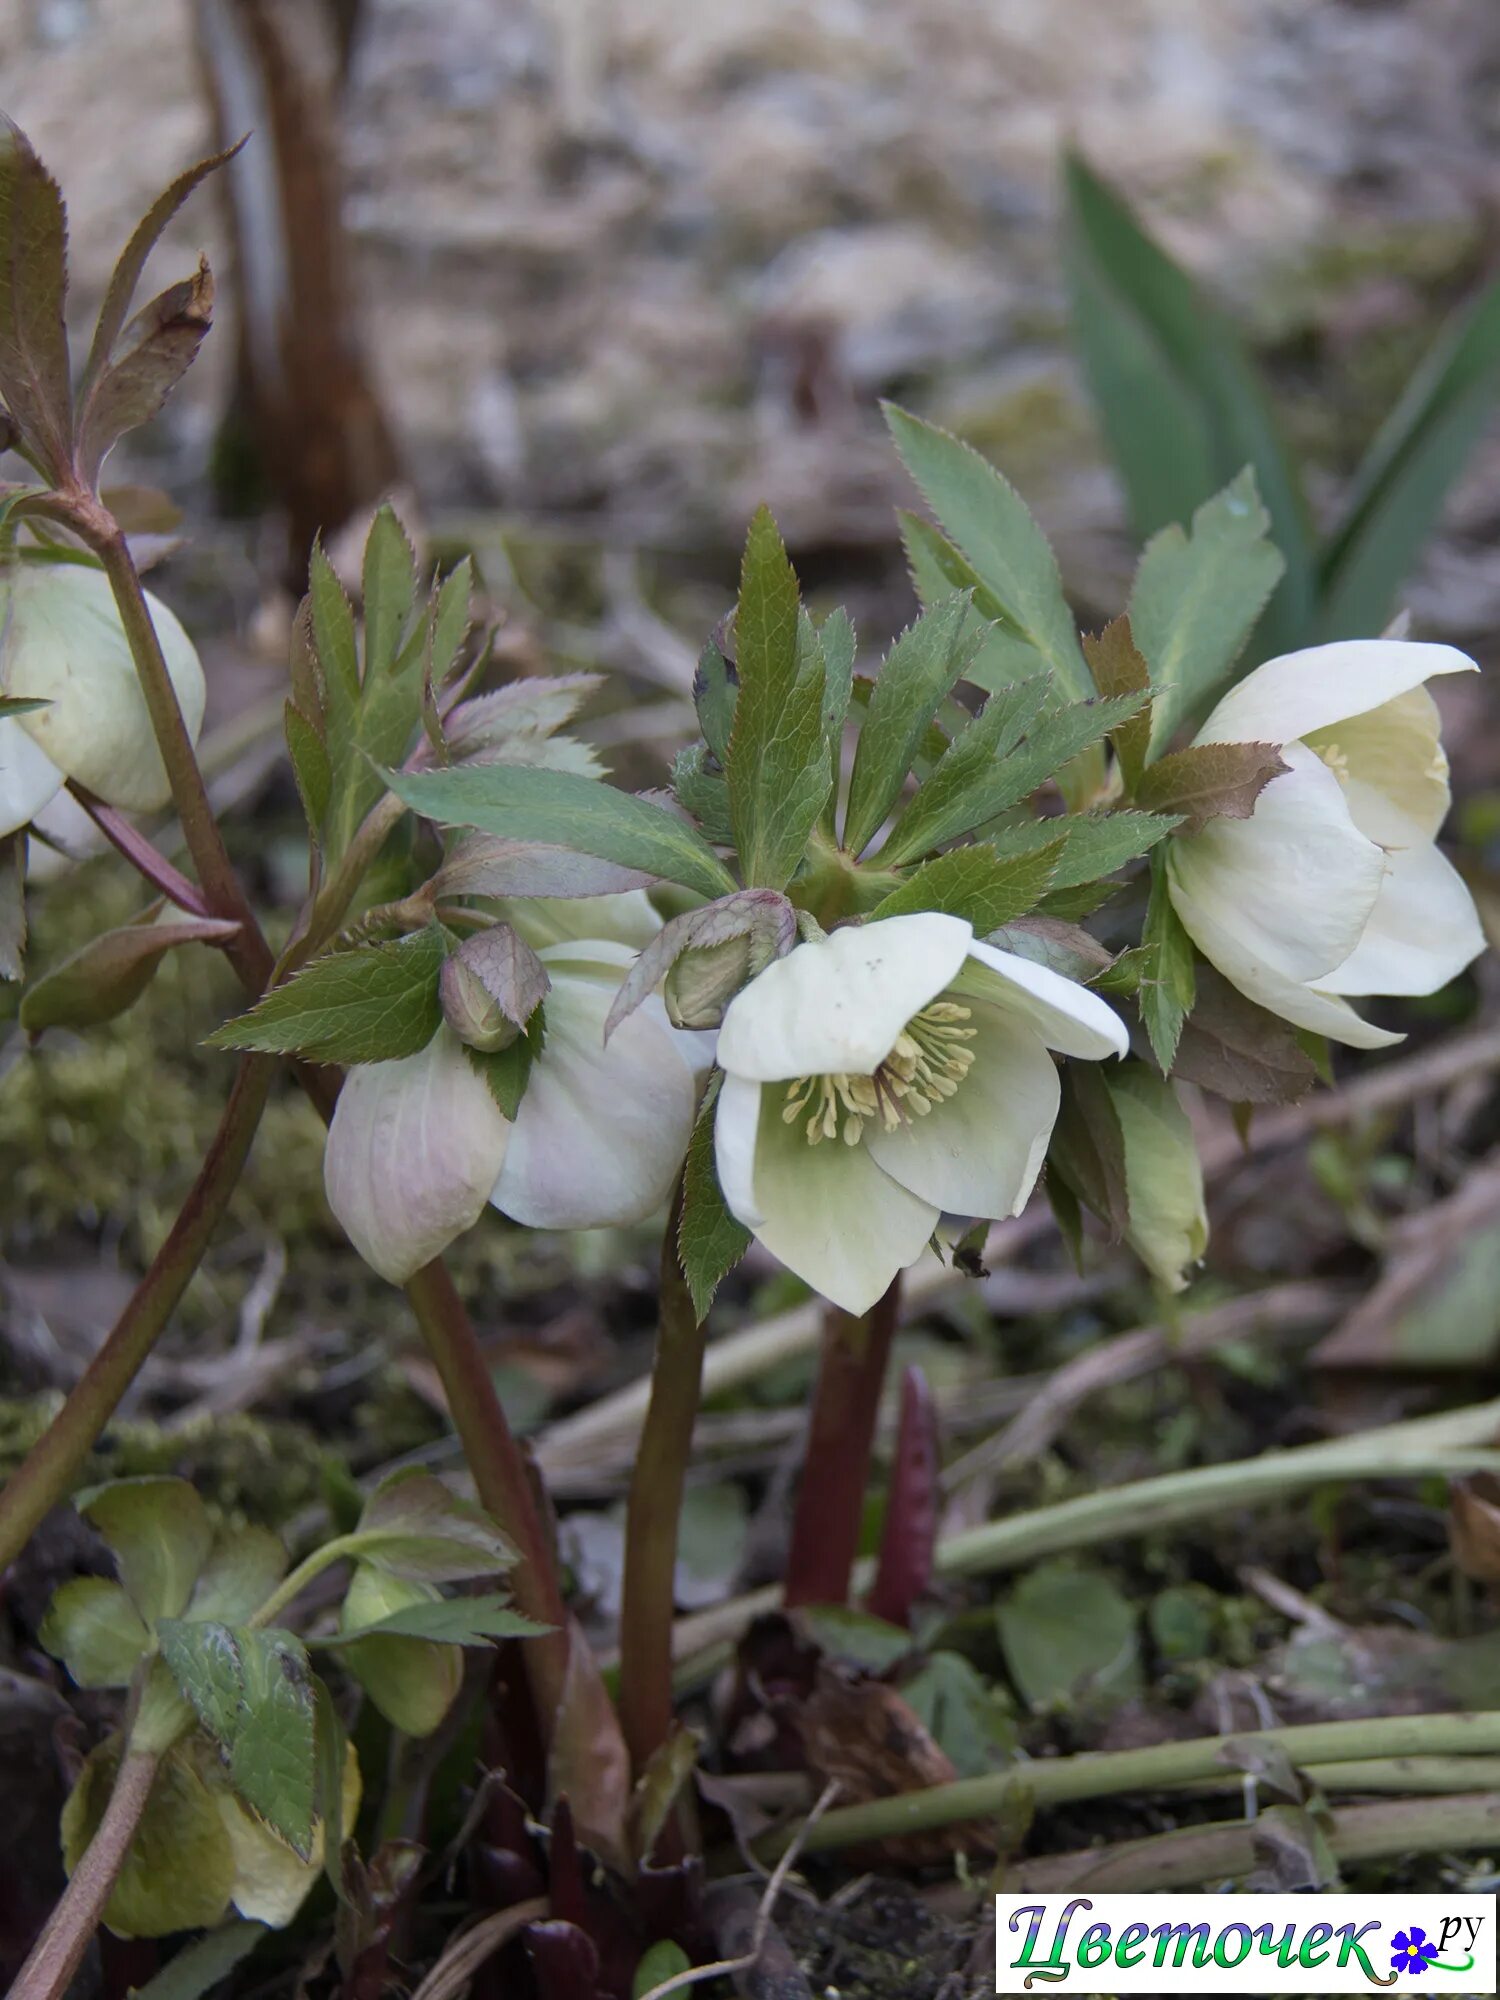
[412, 1526]
[1165, 363]
[448, 615]
[715, 689]
[710, 1241]
[252, 1691]
[955, 795]
[376, 1003]
[1196, 598]
[836, 637]
[776, 765]
[34, 381]
[1099, 843]
[390, 592]
[1051, 746]
[703, 793]
[560, 809]
[993, 528]
[1003, 655]
[449, 1621]
[310, 767]
[508, 1071]
[987, 888]
[919, 673]
[1168, 981]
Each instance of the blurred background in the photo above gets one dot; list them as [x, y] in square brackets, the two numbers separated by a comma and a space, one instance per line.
[588, 279]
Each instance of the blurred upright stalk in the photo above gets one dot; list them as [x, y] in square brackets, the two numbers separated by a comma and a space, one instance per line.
[840, 1443]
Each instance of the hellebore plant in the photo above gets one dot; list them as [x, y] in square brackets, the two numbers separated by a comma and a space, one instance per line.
[834, 990]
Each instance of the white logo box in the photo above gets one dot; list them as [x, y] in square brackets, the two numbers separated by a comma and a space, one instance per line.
[1116, 1944]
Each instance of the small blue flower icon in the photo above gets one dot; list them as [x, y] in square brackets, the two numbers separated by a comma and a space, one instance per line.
[1412, 1951]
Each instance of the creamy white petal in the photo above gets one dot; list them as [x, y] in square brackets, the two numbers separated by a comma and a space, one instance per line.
[1067, 1016]
[1423, 930]
[1297, 693]
[29, 779]
[62, 642]
[412, 1154]
[1393, 768]
[1293, 886]
[625, 919]
[839, 1003]
[736, 1127]
[831, 1215]
[602, 1129]
[979, 1152]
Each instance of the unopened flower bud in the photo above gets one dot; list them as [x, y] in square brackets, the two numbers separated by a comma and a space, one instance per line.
[413, 1682]
[701, 984]
[471, 1010]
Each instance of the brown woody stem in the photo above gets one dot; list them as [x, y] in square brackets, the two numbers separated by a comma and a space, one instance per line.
[840, 1442]
[654, 1510]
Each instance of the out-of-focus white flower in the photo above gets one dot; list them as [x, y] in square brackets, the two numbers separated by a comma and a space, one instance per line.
[418, 1147]
[1333, 887]
[881, 1076]
[61, 642]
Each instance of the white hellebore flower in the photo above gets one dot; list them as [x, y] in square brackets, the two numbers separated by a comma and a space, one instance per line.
[886, 1074]
[417, 1147]
[1333, 887]
[61, 642]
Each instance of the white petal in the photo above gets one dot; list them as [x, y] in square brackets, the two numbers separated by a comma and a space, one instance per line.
[1067, 1016]
[839, 1003]
[1291, 888]
[29, 779]
[1297, 693]
[736, 1125]
[979, 1152]
[412, 1154]
[602, 1130]
[63, 643]
[626, 919]
[831, 1215]
[1304, 1006]
[1393, 768]
[1423, 930]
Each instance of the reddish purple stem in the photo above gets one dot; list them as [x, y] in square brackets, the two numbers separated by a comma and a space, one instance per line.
[904, 1572]
[142, 856]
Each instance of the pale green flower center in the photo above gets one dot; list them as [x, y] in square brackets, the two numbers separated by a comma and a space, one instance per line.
[927, 1064]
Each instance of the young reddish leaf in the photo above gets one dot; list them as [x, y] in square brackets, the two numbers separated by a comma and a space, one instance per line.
[904, 1571]
[1238, 1050]
[1119, 667]
[1210, 781]
[160, 344]
[33, 286]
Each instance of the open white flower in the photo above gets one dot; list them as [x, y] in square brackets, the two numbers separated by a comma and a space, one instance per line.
[886, 1074]
[1333, 887]
[418, 1147]
[61, 642]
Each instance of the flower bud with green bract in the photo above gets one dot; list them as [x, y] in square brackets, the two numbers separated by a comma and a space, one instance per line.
[701, 984]
[413, 1682]
[61, 643]
[882, 1076]
[1333, 888]
[471, 1010]
[1168, 1223]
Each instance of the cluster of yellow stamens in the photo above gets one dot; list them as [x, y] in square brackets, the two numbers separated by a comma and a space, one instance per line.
[1336, 759]
[928, 1063]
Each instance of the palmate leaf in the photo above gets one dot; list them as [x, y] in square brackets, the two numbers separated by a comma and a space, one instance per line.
[777, 768]
[1416, 457]
[560, 809]
[920, 671]
[376, 1003]
[955, 794]
[1163, 362]
[990, 524]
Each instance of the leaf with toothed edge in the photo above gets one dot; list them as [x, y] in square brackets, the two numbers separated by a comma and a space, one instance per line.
[710, 1241]
[376, 1003]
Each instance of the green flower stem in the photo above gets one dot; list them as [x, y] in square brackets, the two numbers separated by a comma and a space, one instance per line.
[296, 1581]
[1447, 1446]
[501, 1476]
[1376, 1831]
[329, 907]
[840, 1442]
[58, 1952]
[248, 952]
[654, 1509]
[50, 1469]
[1053, 1781]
